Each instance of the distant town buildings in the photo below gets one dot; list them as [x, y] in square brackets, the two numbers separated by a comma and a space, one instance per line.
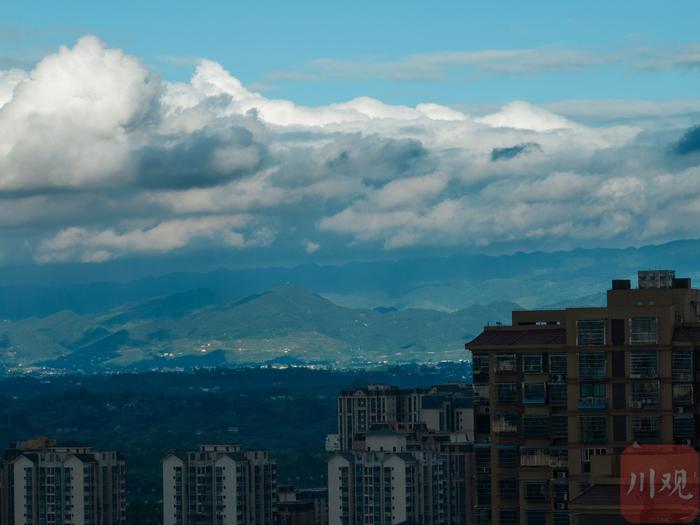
[219, 485]
[406, 455]
[44, 483]
[442, 408]
[394, 476]
[560, 394]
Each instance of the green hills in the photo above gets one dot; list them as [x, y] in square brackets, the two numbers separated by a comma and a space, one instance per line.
[287, 324]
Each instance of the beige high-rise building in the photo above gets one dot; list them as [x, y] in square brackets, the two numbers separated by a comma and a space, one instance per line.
[392, 477]
[219, 485]
[43, 483]
[406, 455]
[442, 408]
[558, 389]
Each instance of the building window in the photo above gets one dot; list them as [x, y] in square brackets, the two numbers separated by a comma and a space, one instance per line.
[644, 364]
[507, 456]
[560, 426]
[592, 395]
[533, 393]
[591, 365]
[508, 488]
[682, 394]
[683, 426]
[506, 393]
[593, 429]
[643, 330]
[534, 457]
[509, 517]
[532, 363]
[535, 425]
[480, 368]
[646, 429]
[535, 491]
[682, 365]
[505, 423]
[481, 395]
[557, 364]
[557, 394]
[590, 332]
[645, 394]
[506, 363]
[586, 455]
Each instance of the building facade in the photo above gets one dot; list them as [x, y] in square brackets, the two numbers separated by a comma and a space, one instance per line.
[559, 388]
[219, 485]
[442, 408]
[302, 506]
[44, 483]
[319, 498]
[392, 477]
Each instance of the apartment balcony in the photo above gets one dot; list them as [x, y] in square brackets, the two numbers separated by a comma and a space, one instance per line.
[535, 458]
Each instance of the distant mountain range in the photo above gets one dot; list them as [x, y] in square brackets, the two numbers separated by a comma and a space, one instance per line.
[449, 283]
[287, 324]
[411, 309]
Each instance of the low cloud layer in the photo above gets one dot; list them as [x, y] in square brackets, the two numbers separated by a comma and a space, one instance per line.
[102, 159]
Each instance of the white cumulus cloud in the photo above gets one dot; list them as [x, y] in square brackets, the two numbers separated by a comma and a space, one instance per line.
[101, 159]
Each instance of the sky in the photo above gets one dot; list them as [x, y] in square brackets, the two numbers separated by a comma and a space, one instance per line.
[308, 131]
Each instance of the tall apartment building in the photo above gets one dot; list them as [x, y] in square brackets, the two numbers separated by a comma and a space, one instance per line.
[393, 477]
[559, 388]
[44, 483]
[219, 485]
[442, 408]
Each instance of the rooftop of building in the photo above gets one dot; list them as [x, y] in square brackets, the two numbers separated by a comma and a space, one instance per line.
[43, 444]
[516, 336]
[659, 289]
